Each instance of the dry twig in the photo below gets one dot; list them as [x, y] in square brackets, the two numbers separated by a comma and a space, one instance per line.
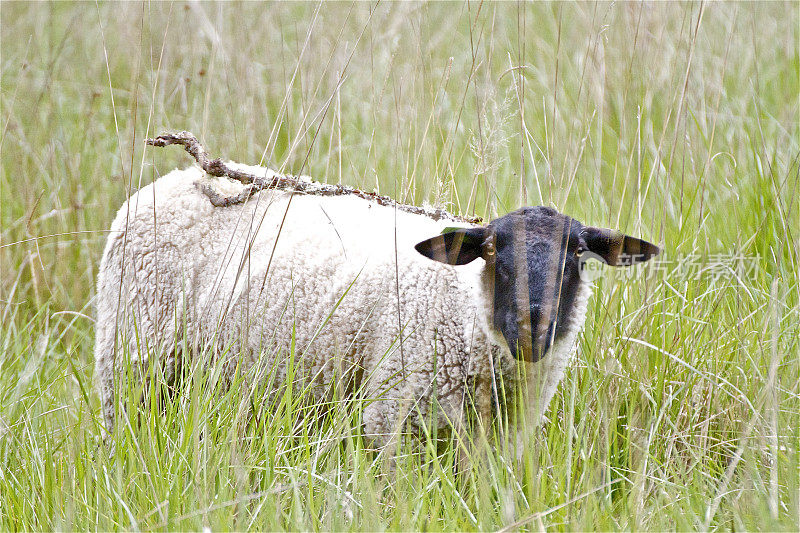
[216, 167]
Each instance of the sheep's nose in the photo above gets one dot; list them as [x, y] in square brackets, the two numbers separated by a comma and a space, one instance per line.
[548, 341]
[524, 329]
[544, 340]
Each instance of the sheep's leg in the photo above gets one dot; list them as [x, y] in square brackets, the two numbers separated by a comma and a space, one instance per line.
[472, 404]
[377, 424]
[104, 370]
[465, 447]
[107, 401]
[383, 420]
[482, 401]
[164, 389]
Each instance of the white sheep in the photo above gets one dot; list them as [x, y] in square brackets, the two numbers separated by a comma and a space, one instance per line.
[352, 283]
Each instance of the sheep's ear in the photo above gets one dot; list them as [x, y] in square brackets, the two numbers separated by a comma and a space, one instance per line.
[457, 247]
[616, 248]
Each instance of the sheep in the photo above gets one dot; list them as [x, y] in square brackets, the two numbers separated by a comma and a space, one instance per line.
[399, 305]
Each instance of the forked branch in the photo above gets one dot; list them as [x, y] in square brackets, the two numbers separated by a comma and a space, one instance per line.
[216, 167]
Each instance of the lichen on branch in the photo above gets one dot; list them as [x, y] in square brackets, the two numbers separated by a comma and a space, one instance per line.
[217, 167]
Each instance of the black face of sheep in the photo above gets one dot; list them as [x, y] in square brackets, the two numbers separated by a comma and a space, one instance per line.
[535, 255]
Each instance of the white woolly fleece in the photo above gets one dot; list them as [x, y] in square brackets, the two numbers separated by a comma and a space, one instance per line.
[339, 271]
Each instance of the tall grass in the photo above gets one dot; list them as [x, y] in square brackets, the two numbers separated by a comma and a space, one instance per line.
[676, 122]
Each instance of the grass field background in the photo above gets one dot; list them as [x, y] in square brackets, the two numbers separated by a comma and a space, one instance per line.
[675, 122]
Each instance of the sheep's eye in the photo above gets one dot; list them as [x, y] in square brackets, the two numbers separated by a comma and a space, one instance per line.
[488, 248]
[579, 250]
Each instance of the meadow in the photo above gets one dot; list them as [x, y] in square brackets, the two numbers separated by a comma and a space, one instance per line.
[679, 123]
